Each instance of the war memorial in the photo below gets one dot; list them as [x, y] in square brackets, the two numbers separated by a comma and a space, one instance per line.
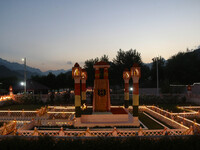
[100, 119]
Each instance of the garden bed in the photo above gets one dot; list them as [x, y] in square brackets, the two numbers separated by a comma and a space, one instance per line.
[149, 123]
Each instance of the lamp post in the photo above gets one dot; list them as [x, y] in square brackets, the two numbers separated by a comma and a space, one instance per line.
[24, 60]
[76, 74]
[157, 76]
[83, 87]
[136, 74]
[126, 77]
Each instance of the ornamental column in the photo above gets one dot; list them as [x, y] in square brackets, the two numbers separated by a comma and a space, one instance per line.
[76, 74]
[10, 91]
[126, 77]
[189, 90]
[135, 73]
[83, 87]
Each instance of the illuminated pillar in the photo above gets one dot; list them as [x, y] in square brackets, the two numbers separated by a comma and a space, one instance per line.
[126, 77]
[76, 74]
[189, 90]
[135, 73]
[83, 87]
[11, 91]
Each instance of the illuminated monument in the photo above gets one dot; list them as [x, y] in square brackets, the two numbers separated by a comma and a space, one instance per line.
[102, 114]
[101, 98]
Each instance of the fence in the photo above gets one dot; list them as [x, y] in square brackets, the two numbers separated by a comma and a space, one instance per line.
[104, 133]
[6, 115]
[8, 128]
[177, 118]
[162, 116]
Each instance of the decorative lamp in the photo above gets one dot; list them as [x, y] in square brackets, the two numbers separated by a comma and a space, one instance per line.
[76, 71]
[126, 74]
[189, 88]
[135, 71]
[83, 74]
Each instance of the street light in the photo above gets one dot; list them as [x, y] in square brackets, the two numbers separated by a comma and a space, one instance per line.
[22, 83]
[157, 76]
[24, 60]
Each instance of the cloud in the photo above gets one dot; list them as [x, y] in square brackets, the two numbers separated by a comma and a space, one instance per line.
[69, 62]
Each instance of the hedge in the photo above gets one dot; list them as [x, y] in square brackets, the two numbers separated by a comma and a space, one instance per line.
[119, 143]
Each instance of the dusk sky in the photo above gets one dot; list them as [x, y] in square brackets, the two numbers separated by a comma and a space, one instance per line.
[54, 34]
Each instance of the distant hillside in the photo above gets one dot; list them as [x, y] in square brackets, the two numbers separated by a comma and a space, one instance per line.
[56, 72]
[19, 69]
[197, 52]
[5, 72]
[16, 66]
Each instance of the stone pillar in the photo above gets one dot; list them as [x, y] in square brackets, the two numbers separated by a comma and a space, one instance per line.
[83, 93]
[135, 98]
[189, 90]
[135, 73]
[76, 74]
[83, 87]
[126, 93]
[11, 92]
[126, 77]
[77, 97]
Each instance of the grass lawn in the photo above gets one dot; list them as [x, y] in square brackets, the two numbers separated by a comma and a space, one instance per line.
[149, 123]
[20, 107]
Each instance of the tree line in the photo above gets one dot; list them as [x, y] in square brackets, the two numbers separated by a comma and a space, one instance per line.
[181, 68]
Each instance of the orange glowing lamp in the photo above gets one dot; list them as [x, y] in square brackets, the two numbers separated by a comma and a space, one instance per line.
[126, 74]
[83, 74]
[189, 88]
[10, 89]
[76, 71]
[135, 71]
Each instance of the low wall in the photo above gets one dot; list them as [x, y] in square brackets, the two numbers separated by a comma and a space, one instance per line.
[194, 98]
[165, 119]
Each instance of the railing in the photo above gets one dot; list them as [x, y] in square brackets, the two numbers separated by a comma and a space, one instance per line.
[179, 118]
[165, 118]
[6, 115]
[189, 123]
[8, 128]
[104, 133]
[19, 115]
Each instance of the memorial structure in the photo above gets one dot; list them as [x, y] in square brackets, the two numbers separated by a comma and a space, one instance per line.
[102, 114]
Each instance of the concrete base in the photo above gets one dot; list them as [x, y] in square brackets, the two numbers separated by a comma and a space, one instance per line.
[106, 119]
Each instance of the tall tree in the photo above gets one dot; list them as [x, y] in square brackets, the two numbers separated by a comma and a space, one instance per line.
[126, 59]
[90, 70]
[123, 59]
[104, 58]
[183, 68]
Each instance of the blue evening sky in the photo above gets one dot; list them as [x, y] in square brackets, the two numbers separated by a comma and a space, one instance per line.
[54, 34]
